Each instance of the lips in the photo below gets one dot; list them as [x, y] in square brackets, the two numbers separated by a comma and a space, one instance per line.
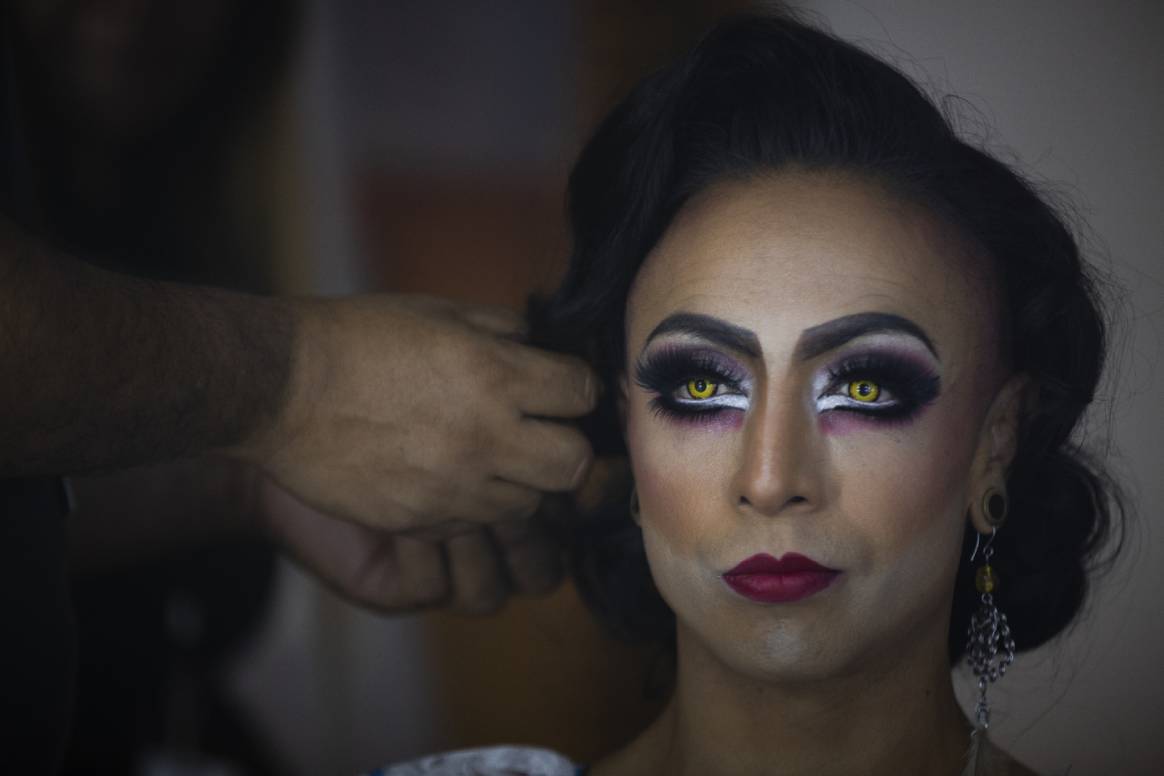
[765, 579]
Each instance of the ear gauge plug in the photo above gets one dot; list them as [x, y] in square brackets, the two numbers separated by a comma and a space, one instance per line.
[994, 506]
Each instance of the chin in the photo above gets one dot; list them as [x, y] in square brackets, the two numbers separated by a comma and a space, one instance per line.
[763, 645]
[782, 653]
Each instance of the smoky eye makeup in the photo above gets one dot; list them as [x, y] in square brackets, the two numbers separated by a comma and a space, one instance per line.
[693, 383]
[878, 384]
[880, 381]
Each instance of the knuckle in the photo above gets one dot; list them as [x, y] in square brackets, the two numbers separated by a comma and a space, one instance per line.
[488, 361]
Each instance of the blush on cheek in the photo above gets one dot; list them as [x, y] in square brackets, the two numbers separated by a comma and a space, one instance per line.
[841, 422]
[724, 420]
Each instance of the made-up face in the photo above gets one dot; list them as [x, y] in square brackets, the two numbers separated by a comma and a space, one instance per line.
[810, 363]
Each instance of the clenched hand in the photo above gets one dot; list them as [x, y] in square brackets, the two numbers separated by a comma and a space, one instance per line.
[471, 569]
[408, 413]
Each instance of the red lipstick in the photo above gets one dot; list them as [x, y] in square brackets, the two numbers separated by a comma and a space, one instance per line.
[767, 580]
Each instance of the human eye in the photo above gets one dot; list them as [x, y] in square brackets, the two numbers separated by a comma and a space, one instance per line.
[706, 392]
[692, 382]
[879, 385]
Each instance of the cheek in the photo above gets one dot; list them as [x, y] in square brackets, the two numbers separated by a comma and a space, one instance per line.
[729, 420]
[906, 489]
[680, 471]
[846, 423]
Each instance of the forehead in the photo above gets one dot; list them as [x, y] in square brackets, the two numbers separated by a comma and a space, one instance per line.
[786, 252]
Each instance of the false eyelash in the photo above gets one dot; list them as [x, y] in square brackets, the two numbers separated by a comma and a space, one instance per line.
[664, 369]
[665, 407]
[912, 386]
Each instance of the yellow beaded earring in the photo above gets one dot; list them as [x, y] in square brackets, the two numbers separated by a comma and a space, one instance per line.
[994, 510]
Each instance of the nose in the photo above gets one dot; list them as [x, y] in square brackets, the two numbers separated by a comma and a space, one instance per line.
[781, 469]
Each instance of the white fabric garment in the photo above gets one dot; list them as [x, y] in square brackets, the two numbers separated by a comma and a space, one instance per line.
[490, 761]
[981, 759]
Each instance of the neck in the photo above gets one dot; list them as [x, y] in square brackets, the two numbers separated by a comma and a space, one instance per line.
[896, 715]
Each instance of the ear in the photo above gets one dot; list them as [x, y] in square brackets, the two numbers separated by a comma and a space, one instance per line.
[997, 445]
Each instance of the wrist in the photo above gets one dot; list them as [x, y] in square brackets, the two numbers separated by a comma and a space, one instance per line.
[289, 410]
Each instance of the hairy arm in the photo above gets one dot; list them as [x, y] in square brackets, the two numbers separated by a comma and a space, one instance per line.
[101, 371]
[392, 411]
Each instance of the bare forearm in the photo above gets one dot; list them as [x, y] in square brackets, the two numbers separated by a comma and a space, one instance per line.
[99, 370]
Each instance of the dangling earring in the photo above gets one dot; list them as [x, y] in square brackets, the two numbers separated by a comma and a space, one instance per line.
[634, 504]
[988, 634]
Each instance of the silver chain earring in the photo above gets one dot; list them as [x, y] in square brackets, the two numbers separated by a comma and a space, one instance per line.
[989, 645]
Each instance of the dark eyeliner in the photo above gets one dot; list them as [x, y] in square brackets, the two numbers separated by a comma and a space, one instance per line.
[664, 370]
[911, 384]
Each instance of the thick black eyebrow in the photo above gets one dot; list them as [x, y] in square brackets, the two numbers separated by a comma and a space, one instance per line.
[710, 328]
[831, 335]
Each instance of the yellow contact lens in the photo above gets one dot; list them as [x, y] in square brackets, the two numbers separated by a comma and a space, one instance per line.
[701, 389]
[864, 390]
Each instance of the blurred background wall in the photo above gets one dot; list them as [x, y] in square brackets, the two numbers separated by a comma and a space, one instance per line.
[423, 146]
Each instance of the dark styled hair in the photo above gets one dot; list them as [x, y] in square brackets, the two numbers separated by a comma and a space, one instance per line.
[764, 93]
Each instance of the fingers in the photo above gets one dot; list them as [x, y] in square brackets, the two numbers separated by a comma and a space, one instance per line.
[494, 500]
[532, 559]
[479, 585]
[421, 564]
[441, 531]
[469, 568]
[545, 456]
[365, 444]
[359, 562]
[552, 385]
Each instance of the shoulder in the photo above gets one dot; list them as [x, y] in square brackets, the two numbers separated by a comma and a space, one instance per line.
[490, 761]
